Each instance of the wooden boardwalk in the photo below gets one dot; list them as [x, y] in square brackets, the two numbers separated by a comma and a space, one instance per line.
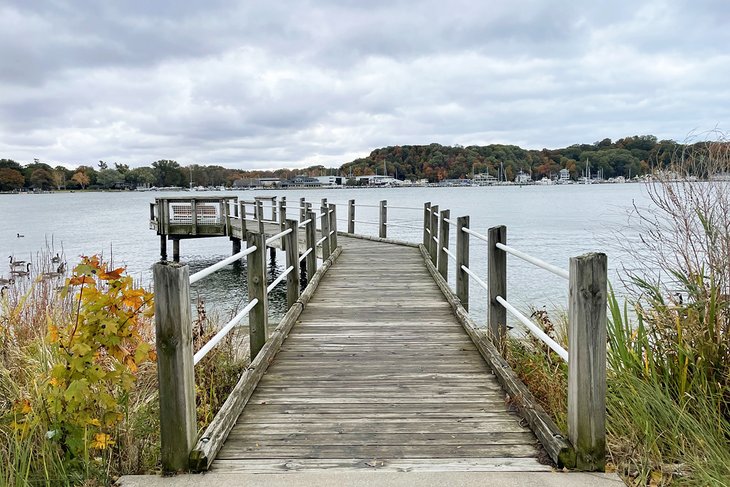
[378, 374]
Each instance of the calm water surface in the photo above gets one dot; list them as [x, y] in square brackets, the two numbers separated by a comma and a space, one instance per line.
[549, 222]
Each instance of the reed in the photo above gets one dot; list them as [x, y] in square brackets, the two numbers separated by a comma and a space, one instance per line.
[668, 351]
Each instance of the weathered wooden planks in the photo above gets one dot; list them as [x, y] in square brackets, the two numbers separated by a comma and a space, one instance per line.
[377, 369]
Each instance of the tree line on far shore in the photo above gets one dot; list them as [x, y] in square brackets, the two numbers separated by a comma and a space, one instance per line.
[628, 157]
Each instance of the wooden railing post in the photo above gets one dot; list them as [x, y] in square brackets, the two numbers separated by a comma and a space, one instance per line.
[426, 225]
[433, 239]
[462, 259]
[302, 209]
[292, 260]
[282, 221]
[258, 317]
[260, 215]
[174, 340]
[383, 227]
[443, 265]
[311, 238]
[325, 229]
[497, 284]
[194, 214]
[333, 227]
[351, 216]
[242, 212]
[273, 209]
[587, 360]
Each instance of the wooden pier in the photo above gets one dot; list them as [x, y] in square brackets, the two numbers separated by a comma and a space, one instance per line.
[378, 373]
[377, 364]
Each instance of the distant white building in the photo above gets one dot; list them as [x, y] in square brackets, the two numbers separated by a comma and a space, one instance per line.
[484, 179]
[523, 178]
[330, 181]
[378, 180]
[269, 182]
[563, 176]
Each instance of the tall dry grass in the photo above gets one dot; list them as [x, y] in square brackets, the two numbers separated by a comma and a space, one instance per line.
[668, 354]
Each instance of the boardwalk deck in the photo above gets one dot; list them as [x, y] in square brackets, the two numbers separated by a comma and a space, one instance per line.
[378, 374]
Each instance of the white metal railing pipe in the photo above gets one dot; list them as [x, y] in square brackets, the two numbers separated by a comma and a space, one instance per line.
[534, 329]
[305, 223]
[449, 221]
[281, 277]
[215, 267]
[276, 237]
[223, 332]
[475, 234]
[367, 206]
[319, 242]
[304, 255]
[449, 253]
[392, 224]
[535, 261]
[475, 277]
[404, 208]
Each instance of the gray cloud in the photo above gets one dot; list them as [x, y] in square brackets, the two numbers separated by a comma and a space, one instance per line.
[256, 85]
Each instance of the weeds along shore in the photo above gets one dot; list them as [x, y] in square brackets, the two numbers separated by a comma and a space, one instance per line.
[78, 380]
[668, 351]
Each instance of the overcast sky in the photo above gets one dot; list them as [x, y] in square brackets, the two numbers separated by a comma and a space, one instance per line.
[293, 83]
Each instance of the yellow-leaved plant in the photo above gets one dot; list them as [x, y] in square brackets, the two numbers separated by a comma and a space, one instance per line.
[99, 351]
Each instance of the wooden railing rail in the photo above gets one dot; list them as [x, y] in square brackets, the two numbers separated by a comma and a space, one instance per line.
[173, 322]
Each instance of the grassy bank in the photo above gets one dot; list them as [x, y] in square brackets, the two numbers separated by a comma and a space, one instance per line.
[668, 396]
[78, 383]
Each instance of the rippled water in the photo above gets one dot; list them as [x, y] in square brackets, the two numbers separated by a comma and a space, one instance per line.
[549, 222]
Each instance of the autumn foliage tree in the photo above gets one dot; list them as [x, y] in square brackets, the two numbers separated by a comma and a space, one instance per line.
[81, 179]
[10, 179]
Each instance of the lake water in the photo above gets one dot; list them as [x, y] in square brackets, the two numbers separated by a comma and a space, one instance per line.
[550, 222]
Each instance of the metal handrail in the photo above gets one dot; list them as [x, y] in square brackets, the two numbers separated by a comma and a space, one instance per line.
[395, 224]
[319, 242]
[475, 277]
[223, 331]
[475, 234]
[306, 253]
[555, 346]
[219, 265]
[404, 208]
[304, 223]
[449, 253]
[449, 221]
[535, 261]
[370, 206]
[279, 279]
[279, 235]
